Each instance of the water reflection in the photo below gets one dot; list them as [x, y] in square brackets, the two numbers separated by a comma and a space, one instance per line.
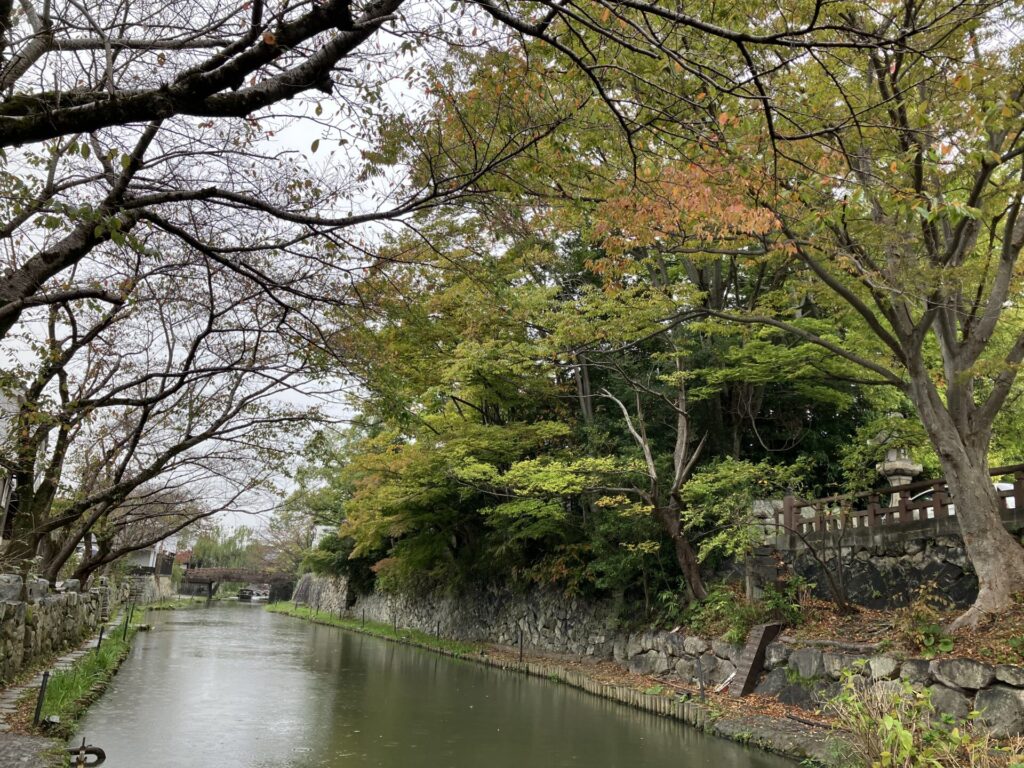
[236, 687]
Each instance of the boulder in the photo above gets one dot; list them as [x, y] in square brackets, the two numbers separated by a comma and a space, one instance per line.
[10, 587]
[915, 671]
[962, 673]
[809, 696]
[724, 650]
[686, 670]
[883, 667]
[798, 696]
[836, 663]
[773, 683]
[1011, 675]
[775, 655]
[948, 701]
[672, 644]
[619, 649]
[706, 667]
[694, 645]
[36, 589]
[1002, 710]
[649, 663]
[807, 662]
[634, 646]
[723, 669]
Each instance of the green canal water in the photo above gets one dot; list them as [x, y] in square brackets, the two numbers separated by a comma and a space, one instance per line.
[233, 686]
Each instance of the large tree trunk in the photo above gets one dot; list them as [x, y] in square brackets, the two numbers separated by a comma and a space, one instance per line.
[997, 556]
[962, 446]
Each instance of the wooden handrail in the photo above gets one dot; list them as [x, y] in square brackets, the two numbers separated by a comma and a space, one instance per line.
[919, 485]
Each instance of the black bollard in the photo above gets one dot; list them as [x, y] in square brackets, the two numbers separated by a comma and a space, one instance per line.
[520, 646]
[100, 641]
[41, 698]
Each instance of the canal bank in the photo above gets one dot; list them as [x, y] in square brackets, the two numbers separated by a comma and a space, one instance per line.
[716, 715]
[239, 687]
[69, 684]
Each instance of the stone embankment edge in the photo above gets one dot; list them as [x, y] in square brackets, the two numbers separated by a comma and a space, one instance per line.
[67, 729]
[50, 750]
[28, 689]
[784, 737]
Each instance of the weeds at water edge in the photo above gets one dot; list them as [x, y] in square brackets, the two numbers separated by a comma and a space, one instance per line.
[387, 631]
[71, 691]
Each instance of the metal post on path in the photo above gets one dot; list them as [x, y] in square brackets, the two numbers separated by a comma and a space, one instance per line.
[41, 697]
[100, 641]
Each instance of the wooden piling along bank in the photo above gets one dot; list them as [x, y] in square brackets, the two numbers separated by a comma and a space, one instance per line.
[676, 706]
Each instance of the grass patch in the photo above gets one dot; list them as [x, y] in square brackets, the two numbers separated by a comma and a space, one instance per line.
[71, 691]
[386, 631]
[175, 604]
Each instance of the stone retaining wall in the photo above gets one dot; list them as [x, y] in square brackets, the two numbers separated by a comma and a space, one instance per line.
[34, 630]
[889, 575]
[809, 677]
[799, 676]
[548, 621]
[883, 566]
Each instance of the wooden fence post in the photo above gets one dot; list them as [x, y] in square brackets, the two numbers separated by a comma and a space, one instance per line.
[902, 505]
[940, 500]
[872, 518]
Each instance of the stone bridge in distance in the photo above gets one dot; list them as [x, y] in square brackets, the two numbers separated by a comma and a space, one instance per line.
[280, 583]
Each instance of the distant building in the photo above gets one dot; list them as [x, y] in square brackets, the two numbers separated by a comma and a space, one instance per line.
[158, 558]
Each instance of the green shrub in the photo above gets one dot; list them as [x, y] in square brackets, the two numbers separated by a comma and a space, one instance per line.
[894, 725]
[730, 614]
[1017, 644]
[919, 625]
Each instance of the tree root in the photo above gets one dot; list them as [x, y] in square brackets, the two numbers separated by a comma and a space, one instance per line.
[984, 610]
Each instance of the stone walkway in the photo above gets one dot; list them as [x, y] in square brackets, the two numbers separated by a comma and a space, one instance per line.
[18, 750]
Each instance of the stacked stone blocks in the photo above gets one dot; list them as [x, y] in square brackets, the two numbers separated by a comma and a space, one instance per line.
[806, 677]
[41, 626]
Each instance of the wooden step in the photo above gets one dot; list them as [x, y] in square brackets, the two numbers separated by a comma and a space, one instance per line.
[751, 662]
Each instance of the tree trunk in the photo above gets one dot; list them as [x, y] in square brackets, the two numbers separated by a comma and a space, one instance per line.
[997, 556]
[686, 558]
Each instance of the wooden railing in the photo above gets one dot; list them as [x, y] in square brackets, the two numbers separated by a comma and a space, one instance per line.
[248, 575]
[801, 517]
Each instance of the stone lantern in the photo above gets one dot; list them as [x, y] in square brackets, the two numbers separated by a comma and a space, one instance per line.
[897, 468]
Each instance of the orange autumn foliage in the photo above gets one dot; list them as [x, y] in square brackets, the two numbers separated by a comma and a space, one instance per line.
[686, 202]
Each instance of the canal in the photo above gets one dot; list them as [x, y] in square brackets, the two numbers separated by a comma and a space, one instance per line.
[233, 686]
